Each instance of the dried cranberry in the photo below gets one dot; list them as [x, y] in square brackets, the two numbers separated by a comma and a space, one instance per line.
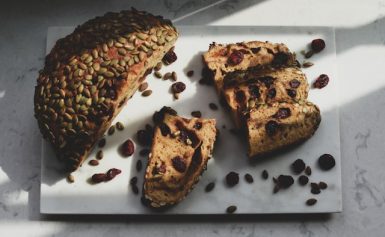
[164, 129]
[282, 113]
[271, 127]
[303, 180]
[111, 173]
[321, 81]
[127, 148]
[179, 164]
[144, 137]
[198, 125]
[291, 93]
[235, 57]
[280, 59]
[285, 181]
[232, 179]
[326, 162]
[271, 93]
[178, 87]
[254, 91]
[169, 57]
[240, 96]
[98, 178]
[267, 80]
[294, 83]
[318, 45]
[298, 166]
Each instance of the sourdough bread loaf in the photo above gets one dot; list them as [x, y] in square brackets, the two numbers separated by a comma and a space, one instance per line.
[90, 74]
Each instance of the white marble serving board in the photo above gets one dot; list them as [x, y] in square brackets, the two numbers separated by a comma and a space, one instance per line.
[115, 197]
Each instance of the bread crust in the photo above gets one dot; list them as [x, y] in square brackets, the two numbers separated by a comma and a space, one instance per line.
[90, 74]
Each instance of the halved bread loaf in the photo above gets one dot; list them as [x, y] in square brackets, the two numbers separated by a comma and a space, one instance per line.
[221, 59]
[243, 90]
[180, 150]
[273, 127]
[90, 74]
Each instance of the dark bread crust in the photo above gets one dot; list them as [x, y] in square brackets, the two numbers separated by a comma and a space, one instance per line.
[90, 74]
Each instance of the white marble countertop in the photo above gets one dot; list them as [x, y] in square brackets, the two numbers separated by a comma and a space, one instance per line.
[360, 40]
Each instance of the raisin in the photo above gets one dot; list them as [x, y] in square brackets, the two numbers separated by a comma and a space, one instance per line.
[102, 142]
[135, 189]
[134, 180]
[164, 129]
[271, 93]
[280, 59]
[179, 164]
[235, 58]
[254, 91]
[282, 113]
[326, 162]
[178, 87]
[267, 80]
[315, 191]
[317, 45]
[249, 178]
[169, 57]
[190, 73]
[285, 181]
[294, 83]
[303, 180]
[127, 148]
[240, 96]
[291, 93]
[311, 201]
[144, 137]
[298, 166]
[271, 127]
[209, 187]
[321, 81]
[322, 185]
[232, 179]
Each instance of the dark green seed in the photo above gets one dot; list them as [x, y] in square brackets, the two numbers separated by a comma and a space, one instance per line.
[249, 178]
[119, 126]
[231, 209]
[209, 187]
[311, 201]
[111, 130]
[102, 142]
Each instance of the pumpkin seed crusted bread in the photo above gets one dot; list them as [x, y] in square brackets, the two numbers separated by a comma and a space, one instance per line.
[221, 59]
[276, 126]
[90, 74]
[180, 150]
[244, 90]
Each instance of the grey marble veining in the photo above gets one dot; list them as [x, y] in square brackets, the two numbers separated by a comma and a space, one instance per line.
[361, 61]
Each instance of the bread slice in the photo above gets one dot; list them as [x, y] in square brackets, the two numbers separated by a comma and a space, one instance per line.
[273, 127]
[91, 73]
[180, 150]
[221, 59]
[243, 90]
